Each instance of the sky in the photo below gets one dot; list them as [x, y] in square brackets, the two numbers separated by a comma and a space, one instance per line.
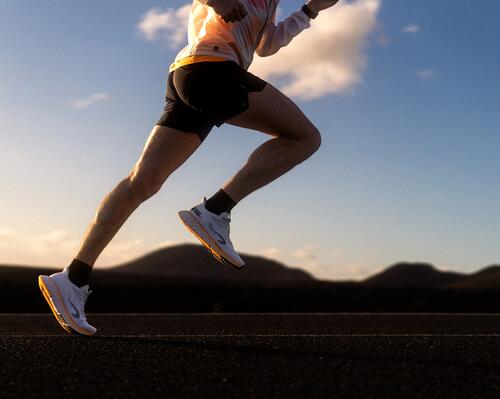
[404, 93]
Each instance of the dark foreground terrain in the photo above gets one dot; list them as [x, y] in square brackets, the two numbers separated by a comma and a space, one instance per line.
[254, 355]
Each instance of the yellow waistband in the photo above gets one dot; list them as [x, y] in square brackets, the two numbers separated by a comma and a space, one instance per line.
[194, 58]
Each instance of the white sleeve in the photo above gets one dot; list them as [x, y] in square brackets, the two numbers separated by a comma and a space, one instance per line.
[277, 36]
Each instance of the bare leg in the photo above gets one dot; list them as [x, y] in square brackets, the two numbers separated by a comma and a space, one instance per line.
[296, 139]
[166, 149]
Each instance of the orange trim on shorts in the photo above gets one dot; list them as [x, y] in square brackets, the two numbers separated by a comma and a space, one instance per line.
[193, 59]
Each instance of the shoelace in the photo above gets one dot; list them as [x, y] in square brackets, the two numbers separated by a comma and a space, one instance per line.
[83, 294]
[223, 220]
[225, 226]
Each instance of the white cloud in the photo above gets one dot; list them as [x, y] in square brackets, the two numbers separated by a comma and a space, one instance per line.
[121, 251]
[412, 29]
[90, 100]
[8, 237]
[333, 46]
[326, 58]
[166, 243]
[17, 247]
[58, 247]
[426, 74]
[305, 253]
[170, 24]
[272, 253]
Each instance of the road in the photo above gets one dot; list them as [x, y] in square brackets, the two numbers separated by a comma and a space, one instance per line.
[254, 356]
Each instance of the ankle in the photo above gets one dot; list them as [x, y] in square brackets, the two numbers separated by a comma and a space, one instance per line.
[79, 272]
[220, 202]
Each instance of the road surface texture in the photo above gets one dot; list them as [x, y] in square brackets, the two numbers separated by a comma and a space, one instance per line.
[253, 356]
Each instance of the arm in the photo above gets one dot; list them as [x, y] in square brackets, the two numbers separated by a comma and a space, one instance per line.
[277, 36]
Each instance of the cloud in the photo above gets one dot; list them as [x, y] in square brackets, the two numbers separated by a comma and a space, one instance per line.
[18, 247]
[272, 253]
[426, 74]
[57, 247]
[166, 243]
[333, 46]
[328, 57]
[8, 236]
[309, 260]
[90, 100]
[305, 253]
[411, 29]
[170, 25]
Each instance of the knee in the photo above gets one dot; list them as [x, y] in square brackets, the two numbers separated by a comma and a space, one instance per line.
[315, 140]
[312, 141]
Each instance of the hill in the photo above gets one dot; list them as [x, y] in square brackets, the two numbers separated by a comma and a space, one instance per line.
[406, 274]
[193, 261]
[485, 279]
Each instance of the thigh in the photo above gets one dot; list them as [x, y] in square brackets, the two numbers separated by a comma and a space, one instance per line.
[270, 111]
[165, 150]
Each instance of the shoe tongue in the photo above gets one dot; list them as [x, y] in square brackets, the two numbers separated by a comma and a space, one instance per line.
[84, 288]
[225, 216]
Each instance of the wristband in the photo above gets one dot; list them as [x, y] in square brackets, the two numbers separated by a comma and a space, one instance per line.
[310, 13]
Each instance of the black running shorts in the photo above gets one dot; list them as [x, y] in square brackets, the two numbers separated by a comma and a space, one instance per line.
[205, 94]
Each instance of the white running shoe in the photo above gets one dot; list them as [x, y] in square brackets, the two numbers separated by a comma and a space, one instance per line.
[213, 232]
[67, 302]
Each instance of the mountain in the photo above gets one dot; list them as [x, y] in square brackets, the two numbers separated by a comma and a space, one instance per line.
[485, 279]
[185, 278]
[405, 274]
[193, 261]
[187, 262]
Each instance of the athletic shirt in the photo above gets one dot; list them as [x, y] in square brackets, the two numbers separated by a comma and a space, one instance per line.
[212, 39]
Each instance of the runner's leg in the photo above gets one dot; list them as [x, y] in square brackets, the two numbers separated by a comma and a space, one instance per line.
[165, 150]
[295, 140]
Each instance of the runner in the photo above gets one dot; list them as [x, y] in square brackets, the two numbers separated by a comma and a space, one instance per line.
[208, 85]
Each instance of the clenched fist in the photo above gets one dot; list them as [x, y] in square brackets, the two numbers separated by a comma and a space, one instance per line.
[319, 5]
[229, 10]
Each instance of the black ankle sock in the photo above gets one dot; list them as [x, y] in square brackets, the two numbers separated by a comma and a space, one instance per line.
[79, 273]
[220, 202]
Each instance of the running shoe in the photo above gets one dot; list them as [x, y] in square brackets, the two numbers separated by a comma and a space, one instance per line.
[213, 232]
[67, 302]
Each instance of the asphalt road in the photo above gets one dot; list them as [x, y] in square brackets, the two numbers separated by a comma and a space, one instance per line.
[254, 356]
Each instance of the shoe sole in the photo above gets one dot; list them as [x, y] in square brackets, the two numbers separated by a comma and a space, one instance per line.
[50, 289]
[217, 252]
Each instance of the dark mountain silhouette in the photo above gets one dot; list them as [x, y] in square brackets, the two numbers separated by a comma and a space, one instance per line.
[405, 274]
[185, 278]
[193, 261]
[485, 279]
[179, 263]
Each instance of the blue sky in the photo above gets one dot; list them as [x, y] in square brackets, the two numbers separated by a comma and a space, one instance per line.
[408, 169]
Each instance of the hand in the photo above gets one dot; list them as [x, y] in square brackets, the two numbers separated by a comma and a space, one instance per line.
[229, 10]
[318, 5]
